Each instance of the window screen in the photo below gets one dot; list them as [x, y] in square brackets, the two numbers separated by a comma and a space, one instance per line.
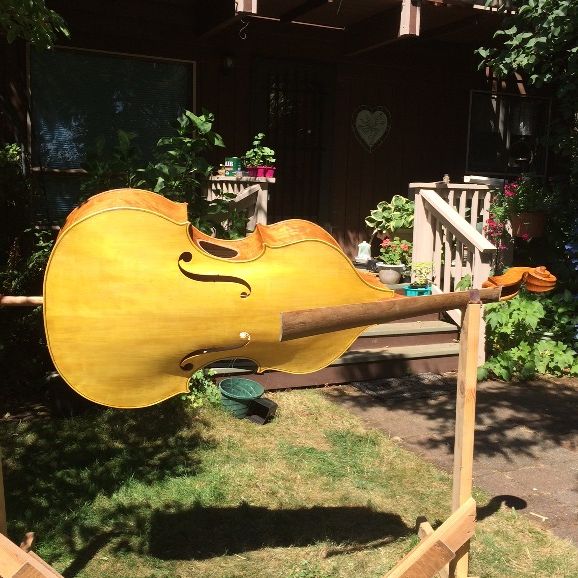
[79, 96]
[508, 134]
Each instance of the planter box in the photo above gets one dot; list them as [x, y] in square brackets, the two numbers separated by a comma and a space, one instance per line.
[417, 291]
[266, 172]
[528, 225]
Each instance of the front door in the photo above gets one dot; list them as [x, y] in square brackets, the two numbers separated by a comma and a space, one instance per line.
[292, 105]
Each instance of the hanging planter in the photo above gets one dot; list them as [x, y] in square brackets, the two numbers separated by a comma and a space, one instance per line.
[528, 225]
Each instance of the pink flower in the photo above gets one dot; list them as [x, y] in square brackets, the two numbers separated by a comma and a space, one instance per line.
[525, 237]
[510, 189]
[405, 247]
[386, 242]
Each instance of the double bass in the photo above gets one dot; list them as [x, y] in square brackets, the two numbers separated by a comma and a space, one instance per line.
[136, 299]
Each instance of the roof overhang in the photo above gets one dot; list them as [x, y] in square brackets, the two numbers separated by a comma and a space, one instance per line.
[368, 24]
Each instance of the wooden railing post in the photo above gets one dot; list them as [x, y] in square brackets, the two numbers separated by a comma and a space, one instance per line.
[481, 271]
[444, 236]
[423, 233]
[251, 193]
[3, 522]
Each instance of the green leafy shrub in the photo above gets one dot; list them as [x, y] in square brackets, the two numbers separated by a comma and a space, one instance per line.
[24, 252]
[531, 335]
[178, 172]
[202, 390]
[387, 217]
[32, 21]
[116, 169]
[259, 155]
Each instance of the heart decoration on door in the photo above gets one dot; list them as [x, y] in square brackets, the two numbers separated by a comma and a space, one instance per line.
[371, 126]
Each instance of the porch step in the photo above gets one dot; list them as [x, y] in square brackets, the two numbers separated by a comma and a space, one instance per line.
[408, 333]
[388, 350]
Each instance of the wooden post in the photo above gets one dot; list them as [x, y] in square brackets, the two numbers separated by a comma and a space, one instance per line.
[3, 522]
[465, 422]
[423, 233]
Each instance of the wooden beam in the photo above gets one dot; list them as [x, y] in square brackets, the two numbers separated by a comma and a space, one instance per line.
[425, 530]
[16, 563]
[409, 24]
[302, 9]
[465, 421]
[20, 301]
[247, 6]
[435, 551]
[374, 32]
[452, 27]
[217, 16]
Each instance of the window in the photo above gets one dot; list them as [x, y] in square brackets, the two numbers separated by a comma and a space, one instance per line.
[79, 96]
[508, 134]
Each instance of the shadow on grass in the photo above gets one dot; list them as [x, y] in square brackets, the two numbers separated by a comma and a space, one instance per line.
[206, 532]
[53, 467]
[495, 504]
[512, 419]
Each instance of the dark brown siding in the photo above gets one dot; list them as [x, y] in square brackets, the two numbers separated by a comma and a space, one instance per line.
[425, 86]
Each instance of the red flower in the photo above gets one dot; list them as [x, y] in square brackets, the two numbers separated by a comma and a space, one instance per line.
[525, 237]
[386, 242]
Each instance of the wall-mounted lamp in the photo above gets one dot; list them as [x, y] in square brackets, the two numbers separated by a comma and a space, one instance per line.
[227, 64]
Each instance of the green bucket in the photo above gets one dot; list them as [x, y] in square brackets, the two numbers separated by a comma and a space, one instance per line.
[237, 393]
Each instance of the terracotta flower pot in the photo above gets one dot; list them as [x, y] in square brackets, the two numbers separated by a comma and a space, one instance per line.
[528, 225]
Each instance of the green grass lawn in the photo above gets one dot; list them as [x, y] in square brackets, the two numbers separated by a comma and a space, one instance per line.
[161, 493]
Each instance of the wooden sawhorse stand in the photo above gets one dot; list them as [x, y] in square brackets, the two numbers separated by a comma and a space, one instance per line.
[445, 551]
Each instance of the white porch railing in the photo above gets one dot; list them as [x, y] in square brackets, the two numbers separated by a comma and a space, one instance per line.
[447, 224]
[251, 193]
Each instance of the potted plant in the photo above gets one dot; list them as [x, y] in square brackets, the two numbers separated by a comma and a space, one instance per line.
[421, 279]
[394, 258]
[260, 159]
[393, 217]
[527, 198]
[522, 203]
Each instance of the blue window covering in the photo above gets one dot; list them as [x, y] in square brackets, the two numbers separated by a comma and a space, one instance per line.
[79, 96]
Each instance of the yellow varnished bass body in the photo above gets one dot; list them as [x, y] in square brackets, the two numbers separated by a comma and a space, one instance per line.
[136, 299]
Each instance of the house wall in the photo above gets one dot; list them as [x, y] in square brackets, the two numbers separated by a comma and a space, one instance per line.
[424, 85]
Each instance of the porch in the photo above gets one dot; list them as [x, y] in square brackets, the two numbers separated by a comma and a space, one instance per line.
[448, 218]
